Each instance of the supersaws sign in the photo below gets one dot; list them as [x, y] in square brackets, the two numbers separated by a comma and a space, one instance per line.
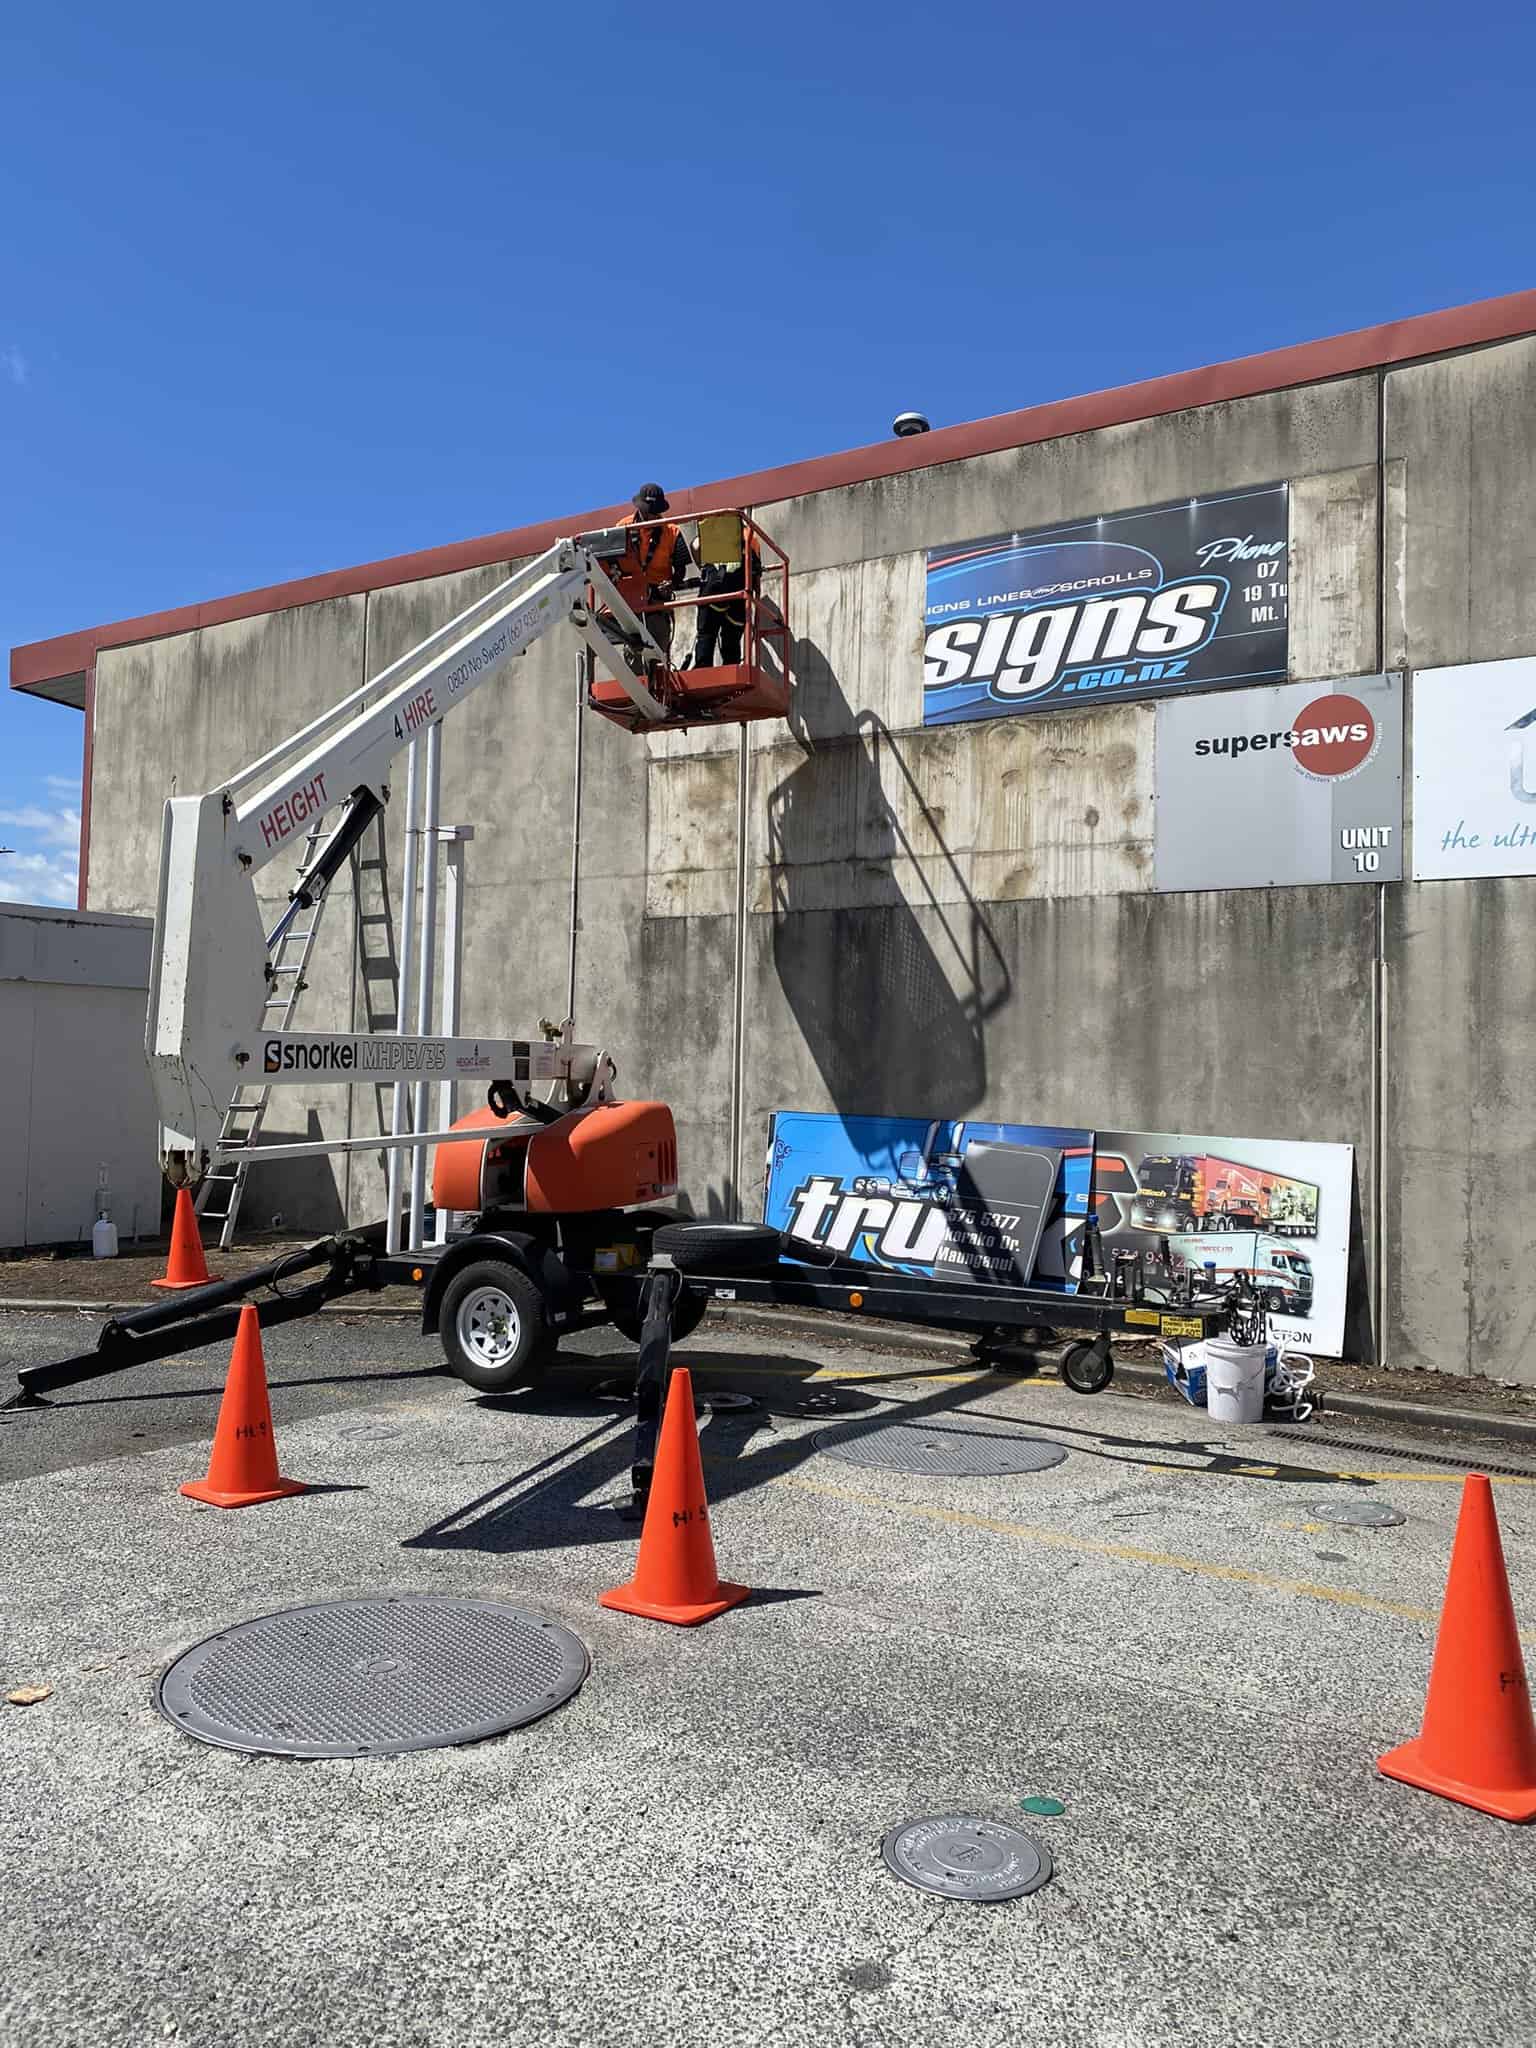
[1135, 604]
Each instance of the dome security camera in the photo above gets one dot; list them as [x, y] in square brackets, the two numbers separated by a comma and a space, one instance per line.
[906, 424]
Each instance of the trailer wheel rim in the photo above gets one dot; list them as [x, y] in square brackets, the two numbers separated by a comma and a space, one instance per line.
[489, 1326]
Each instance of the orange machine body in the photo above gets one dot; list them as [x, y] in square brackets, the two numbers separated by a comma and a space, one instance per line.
[607, 1157]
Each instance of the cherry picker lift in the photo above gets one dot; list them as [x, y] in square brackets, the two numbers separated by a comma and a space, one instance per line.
[565, 1188]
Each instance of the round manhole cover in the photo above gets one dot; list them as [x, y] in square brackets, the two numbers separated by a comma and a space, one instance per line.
[963, 1448]
[1361, 1514]
[372, 1677]
[961, 1857]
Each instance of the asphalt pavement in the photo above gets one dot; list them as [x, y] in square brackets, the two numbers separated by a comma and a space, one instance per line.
[325, 1363]
[1161, 1633]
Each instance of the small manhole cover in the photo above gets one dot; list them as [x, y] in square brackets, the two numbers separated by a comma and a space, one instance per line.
[1361, 1514]
[372, 1677]
[961, 1448]
[961, 1857]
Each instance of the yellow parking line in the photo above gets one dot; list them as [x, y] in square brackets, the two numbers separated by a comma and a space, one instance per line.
[885, 1379]
[1122, 1553]
[1333, 1472]
[707, 1363]
[1438, 1478]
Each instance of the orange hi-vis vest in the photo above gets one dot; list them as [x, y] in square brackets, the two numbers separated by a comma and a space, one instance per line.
[646, 564]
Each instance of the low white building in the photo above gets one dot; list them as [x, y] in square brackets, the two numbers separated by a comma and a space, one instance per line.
[74, 1088]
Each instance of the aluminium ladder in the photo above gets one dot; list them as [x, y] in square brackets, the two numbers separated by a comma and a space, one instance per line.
[377, 966]
[218, 1198]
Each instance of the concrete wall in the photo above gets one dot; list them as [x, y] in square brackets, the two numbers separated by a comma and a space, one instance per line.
[849, 912]
[1457, 1285]
[74, 1089]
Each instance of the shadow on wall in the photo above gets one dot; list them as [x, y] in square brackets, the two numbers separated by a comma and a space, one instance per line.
[302, 1193]
[891, 996]
[716, 1205]
[1359, 1332]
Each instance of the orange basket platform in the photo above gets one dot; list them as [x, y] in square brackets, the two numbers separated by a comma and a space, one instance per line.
[735, 693]
[702, 696]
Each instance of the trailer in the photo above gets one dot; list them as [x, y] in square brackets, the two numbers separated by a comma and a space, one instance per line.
[499, 1298]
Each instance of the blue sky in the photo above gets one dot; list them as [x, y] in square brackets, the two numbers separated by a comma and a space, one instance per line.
[287, 290]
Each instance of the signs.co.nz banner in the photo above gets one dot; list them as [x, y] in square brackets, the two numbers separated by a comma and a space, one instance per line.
[1474, 770]
[1006, 1205]
[1299, 782]
[1190, 596]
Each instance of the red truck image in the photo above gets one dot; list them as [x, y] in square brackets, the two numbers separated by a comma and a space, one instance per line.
[1183, 1191]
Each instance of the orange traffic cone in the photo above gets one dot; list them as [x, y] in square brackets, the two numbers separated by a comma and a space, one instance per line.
[243, 1468]
[1478, 1742]
[186, 1266]
[675, 1577]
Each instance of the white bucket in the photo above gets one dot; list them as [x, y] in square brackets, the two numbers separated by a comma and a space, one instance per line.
[1234, 1380]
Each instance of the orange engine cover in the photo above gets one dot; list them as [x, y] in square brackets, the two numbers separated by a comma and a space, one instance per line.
[458, 1171]
[608, 1157]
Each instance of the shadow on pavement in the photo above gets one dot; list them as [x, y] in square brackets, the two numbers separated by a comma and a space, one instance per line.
[1220, 1463]
[320, 1379]
[580, 1493]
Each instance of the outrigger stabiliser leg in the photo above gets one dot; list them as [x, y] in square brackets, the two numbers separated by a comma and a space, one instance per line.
[653, 1372]
[346, 1264]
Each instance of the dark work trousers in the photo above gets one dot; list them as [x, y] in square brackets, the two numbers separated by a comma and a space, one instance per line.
[722, 623]
[659, 624]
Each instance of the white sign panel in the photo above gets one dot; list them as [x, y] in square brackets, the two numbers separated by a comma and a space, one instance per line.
[1298, 782]
[1474, 770]
[1275, 1209]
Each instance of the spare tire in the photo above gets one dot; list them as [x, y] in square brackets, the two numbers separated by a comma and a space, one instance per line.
[712, 1247]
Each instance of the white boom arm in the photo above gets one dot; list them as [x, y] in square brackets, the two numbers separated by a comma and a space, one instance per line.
[208, 975]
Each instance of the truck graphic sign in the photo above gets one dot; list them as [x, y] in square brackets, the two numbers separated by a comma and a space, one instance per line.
[1194, 1191]
[1276, 1210]
[961, 1200]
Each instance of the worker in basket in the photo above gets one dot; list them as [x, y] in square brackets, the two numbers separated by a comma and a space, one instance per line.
[728, 556]
[654, 562]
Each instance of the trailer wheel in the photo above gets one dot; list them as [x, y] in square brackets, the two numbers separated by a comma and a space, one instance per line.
[688, 1312]
[493, 1328]
[1087, 1368]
